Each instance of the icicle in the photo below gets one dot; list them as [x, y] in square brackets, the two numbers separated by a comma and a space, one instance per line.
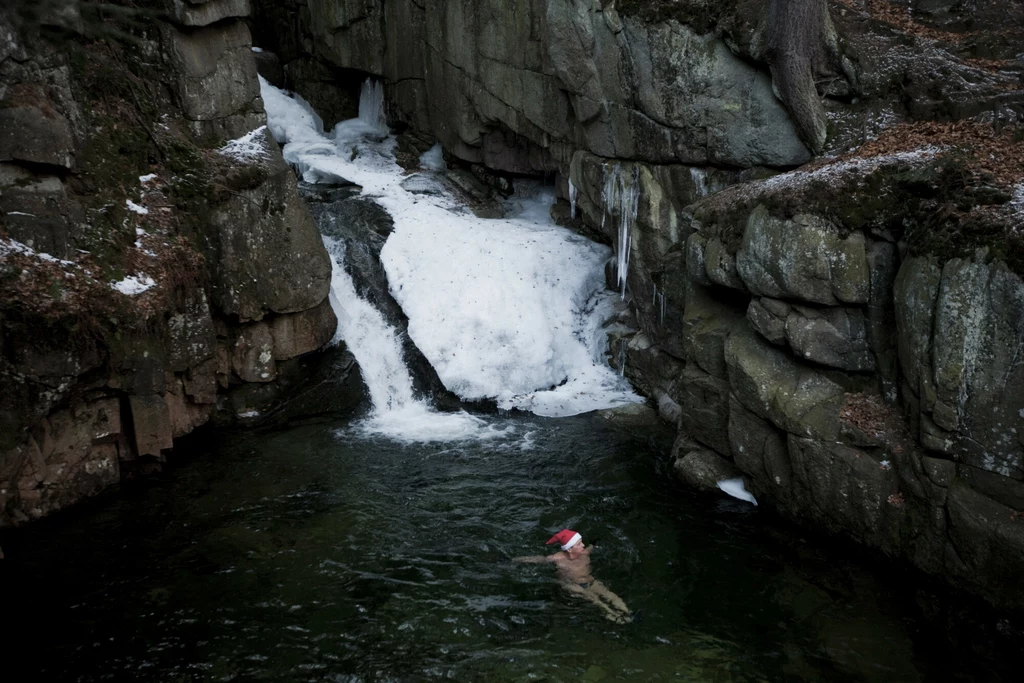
[654, 299]
[622, 357]
[572, 200]
[661, 315]
[628, 194]
[700, 181]
[371, 107]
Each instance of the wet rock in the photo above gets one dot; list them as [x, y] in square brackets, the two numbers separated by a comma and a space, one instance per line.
[206, 12]
[299, 333]
[151, 421]
[707, 324]
[268, 65]
[804, 259]
[772, 385]
[835, 336]
[705, 409]
[33, 131]
[253, 356]
[760, 451]
[217, 83]
[768, 317]
[270, 257]
[988, 541]
[702, 469]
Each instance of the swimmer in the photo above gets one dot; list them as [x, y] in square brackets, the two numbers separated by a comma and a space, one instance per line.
[573, 565]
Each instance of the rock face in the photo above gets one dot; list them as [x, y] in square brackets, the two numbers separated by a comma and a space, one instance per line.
[150, 275]
[519, 86]
[802, 330]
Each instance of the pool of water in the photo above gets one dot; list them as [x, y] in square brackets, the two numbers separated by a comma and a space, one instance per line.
[317, 554]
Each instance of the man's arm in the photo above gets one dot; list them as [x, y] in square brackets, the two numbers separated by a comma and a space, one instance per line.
[534, 559]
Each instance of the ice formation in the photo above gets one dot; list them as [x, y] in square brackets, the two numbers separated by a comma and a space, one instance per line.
[620, 196]
[735, 488]
[572, 200]
[509, 309]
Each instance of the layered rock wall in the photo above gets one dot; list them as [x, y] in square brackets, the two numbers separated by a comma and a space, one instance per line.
[846, 337]
[115, 169]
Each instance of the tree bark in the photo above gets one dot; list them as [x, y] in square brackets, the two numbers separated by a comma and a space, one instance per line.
[800, 44]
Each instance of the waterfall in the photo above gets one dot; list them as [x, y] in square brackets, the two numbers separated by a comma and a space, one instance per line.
[371, 340]
[509, 309]
[371, 108]
[621, 195]
[397, 412]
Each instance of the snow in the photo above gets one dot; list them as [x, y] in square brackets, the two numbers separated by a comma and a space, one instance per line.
[510, 309]
[248, 149]
[137, 208]
[735, 488]
[839, 169]
[20, 213]
[433, 159]
[257, 49]
[147, 178]
[15, 247]
[134, 284]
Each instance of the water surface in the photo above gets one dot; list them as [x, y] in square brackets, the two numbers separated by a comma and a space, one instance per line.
[316, 554]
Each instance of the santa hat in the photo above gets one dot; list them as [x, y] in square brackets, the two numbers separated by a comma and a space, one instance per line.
[567, 537]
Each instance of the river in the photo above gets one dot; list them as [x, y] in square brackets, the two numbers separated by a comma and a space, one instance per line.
[319, 553]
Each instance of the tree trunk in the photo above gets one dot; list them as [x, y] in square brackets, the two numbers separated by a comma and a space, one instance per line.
[799, 43]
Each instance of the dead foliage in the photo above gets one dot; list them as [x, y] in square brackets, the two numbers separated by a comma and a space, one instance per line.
[880, 421]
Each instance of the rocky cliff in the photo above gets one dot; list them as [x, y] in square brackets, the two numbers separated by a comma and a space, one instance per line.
[157, 266]
[847, 335]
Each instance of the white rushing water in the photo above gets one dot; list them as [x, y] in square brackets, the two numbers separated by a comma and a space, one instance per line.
[507, 309]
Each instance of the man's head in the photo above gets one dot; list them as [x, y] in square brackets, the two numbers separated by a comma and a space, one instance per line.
[566, 538]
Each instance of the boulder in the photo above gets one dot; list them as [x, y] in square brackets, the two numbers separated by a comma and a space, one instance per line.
[802, 258]
[252, 358]
[298, 333]
[32, 131]
[704, 401]
[833, 336]
[772, 385]
[75, 457]
[760, 451]
[702, 469]
[217, 76]
[270, 257]
[206, 12]
[707, 323]
[151, 423]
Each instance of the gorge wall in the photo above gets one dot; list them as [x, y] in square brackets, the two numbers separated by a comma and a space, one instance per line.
[848, 336]
[153, 275]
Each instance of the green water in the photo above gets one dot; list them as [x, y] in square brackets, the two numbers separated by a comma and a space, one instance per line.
[313, 554]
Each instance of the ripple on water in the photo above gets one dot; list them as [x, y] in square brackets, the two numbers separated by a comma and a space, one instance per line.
[324, 553]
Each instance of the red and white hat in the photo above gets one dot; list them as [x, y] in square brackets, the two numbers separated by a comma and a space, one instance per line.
[567, 537]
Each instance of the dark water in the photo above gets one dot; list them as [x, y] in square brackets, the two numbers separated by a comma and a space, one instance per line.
[305, 555]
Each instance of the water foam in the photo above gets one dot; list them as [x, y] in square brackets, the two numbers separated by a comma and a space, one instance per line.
[509, 309]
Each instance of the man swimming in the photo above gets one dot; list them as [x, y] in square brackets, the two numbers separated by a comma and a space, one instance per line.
[573, 565]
